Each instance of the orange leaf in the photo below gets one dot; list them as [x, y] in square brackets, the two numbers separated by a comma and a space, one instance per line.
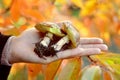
[34, 14]
[15, 10]
[106, 75]
[52, 69]
[33, 70]
[22, 28]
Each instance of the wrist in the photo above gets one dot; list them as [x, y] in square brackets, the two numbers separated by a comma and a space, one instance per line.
[7, 51]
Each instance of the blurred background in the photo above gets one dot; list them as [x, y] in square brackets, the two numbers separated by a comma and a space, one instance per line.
[93, 18]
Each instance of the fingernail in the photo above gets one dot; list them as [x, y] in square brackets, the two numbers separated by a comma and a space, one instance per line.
[105, 47]
[101, 40]
[98, 50]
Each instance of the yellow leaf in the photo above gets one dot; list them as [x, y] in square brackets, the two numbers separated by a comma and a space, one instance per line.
[106, 36]
[104, 7]
[62, 2]
[81, 28]
[7, 3]
[77, 3]
[90, 4]
[71, 70]
[16, 67]
[89, 7]
[52, 69]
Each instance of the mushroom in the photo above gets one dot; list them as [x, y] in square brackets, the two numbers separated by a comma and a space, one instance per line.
[56, 38]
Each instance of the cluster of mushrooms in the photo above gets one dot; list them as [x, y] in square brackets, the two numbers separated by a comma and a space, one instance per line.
[57, 37]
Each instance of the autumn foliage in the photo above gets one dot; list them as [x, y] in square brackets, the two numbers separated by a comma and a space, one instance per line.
[93, 18]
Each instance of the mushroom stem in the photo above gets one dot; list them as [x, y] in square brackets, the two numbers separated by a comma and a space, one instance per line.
[61, 43]
[46, 40]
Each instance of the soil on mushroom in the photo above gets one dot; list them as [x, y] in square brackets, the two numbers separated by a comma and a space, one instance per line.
[42, 51]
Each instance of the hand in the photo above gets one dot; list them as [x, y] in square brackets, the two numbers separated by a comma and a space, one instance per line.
[22, 48]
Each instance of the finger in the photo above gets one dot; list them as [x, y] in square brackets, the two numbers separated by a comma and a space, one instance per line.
[100, 46]
[90, 40]
[77, 52]
[90, 51]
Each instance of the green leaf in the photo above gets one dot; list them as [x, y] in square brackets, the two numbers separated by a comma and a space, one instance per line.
[1, 4]
[40, 76]
[91, 73]
[21, 74]
[20, 22]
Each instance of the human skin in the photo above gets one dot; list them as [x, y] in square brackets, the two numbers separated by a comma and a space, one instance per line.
[22, 48]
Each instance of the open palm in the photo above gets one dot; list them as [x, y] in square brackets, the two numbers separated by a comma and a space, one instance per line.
[22, 48]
